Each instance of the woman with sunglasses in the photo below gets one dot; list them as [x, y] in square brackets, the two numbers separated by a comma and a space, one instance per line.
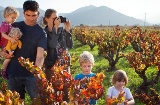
[58, 40]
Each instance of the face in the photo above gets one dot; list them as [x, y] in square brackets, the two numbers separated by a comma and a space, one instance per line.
[16, 37]
[86, 67]
[11, 18]
[53, 18]
[31, 17]
[120, 84]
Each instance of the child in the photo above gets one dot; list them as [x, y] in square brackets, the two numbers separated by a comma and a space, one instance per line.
[86, 61]
[119, 81]
[10, 15]
[16, 34]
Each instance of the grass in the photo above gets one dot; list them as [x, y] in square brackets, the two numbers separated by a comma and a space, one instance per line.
[101, 64]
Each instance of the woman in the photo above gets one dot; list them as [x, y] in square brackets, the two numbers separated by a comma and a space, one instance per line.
[58, 39]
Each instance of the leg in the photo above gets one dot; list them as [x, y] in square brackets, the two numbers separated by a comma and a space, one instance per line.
[4, 67]
[31, 86]
[15, 84]
[5, 63]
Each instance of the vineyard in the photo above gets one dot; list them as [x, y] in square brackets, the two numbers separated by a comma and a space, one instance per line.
[133, 49]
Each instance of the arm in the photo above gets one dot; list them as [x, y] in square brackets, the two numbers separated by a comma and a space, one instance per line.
[8, 37]
[67, 26]
[129, 98]
[5, 54]
[69, 41]
[8, 46]
[109, 95]
[129, 102]
[40, 57]
[19, 44]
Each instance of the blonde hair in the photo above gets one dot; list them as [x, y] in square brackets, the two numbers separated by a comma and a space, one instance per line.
[15, 31]
[86, 57]
[119, 75]
[10, 10]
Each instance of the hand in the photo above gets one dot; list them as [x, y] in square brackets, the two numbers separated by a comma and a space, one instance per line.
[64, 103]
[5, 54]
[11, 53]
[126, 102]
[67, 26]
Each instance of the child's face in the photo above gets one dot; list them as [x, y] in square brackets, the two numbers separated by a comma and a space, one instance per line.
[16, 37]
[120, 84]
[86, 67]
[11, 18]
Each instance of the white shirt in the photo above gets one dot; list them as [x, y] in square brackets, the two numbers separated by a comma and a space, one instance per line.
[113, 92]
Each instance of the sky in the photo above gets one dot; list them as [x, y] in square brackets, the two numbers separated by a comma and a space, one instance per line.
[146, 10]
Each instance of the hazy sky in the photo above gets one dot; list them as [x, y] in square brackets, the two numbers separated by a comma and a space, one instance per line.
[133, 8]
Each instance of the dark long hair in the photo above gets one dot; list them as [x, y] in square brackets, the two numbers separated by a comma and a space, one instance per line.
[47, 14]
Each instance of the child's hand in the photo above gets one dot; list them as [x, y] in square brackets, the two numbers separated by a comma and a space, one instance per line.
[126, 102]
[13, 40]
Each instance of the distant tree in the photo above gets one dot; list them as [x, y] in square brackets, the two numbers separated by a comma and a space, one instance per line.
[146, 54]
[112, 47]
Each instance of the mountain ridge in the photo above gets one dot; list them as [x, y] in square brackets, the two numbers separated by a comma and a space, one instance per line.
[92, 16]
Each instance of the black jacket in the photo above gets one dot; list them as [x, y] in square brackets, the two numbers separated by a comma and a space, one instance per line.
[62, 39]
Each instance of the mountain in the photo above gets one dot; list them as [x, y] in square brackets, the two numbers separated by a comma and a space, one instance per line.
[91, 15]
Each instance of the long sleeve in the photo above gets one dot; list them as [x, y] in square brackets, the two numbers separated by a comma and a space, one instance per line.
[69, 41]
[19, 44]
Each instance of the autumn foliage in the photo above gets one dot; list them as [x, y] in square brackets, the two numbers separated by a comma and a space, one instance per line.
[116, 100]
[51, 91]
[8, 97]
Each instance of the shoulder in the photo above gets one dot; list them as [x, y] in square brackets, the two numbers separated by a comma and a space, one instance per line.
[111, 88]
[4, 24]
[92, 74]
[127, 90]
[79, 76]
[110, 91]
[18, 24]
[39, 30]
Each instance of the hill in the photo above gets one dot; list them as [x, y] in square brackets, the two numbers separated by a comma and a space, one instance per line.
[91, 15]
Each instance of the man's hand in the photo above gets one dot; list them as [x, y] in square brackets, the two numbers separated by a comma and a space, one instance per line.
[5, 54]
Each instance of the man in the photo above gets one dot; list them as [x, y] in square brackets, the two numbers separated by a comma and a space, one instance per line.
[34, 42]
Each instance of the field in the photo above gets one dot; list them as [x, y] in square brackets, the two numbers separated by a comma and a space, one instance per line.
[102, 64]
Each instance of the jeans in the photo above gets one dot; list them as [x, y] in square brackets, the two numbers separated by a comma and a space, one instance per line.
[20, 84]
